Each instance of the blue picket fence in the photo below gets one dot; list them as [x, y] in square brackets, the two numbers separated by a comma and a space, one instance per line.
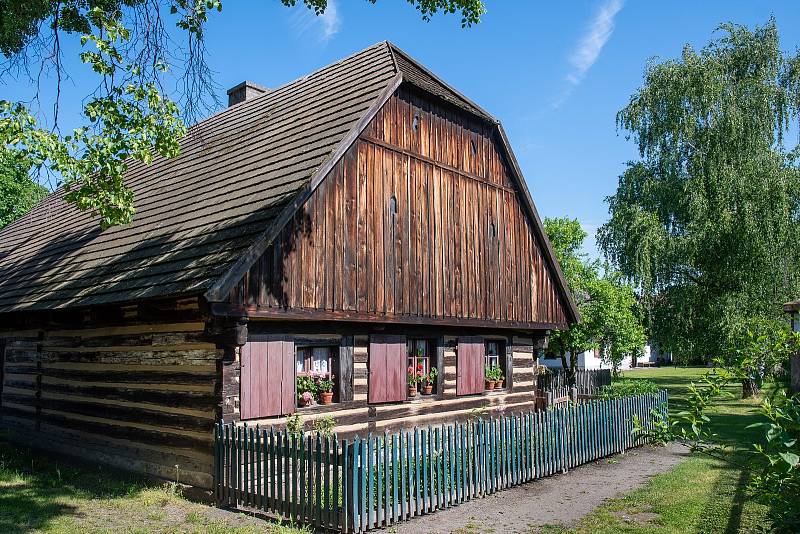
[361, 484]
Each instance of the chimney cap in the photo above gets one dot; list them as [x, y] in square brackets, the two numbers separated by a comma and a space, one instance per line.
[244, 91]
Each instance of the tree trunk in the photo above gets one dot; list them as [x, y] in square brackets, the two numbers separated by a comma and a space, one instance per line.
[573, 366]
[749, 388]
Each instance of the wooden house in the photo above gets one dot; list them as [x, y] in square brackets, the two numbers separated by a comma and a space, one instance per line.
[346, 226]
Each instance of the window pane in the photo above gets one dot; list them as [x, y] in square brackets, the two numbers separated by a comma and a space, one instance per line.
[319, 360]
[300, 360]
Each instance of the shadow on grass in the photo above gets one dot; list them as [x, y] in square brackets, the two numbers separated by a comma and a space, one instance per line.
[35, 491]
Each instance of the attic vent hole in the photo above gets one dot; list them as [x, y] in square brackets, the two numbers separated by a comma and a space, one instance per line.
[474, 146]
[393, 205]
[415, 123]
[492, 230]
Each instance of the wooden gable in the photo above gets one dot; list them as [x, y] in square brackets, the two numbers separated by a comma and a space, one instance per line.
[421, 222]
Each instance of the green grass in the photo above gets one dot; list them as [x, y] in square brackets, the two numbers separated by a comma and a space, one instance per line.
[702, 494]
[38, 495]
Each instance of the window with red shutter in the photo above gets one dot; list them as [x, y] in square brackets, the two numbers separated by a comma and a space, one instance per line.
[387, 369]
[469, 366]
[267, 378]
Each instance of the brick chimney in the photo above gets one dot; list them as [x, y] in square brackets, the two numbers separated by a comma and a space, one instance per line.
[244, 91]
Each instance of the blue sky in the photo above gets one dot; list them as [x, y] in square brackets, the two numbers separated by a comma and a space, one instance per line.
[554, 73]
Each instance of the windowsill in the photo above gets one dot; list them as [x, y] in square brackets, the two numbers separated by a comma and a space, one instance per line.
[495, 391]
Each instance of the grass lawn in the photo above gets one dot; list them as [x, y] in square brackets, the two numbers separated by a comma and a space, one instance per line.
[702, 494]
[44, 496]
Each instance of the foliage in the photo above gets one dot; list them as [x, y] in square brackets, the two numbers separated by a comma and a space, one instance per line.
[778, 484]
[430, 378]
[306, 383]
[608, 307]
[761, 349]
[493, 373]
[705, 222]
[325, 384]
[295, 424]
[627, 387]
[18, 192]
[129, 116]
[325, 425]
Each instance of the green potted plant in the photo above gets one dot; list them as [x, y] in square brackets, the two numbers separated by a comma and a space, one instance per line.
[489, 378]
[430, 378]
[498, 383]
[413, 379]
[325, 387]
[306, 390]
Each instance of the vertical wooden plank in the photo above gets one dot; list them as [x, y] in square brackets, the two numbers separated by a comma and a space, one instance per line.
[371, 522]
[395, 480]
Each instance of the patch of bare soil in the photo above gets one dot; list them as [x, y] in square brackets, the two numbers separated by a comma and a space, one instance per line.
[558, 500]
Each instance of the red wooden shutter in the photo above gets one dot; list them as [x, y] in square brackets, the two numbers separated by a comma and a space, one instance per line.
[267, 378]
[469, 366]
[387, 369]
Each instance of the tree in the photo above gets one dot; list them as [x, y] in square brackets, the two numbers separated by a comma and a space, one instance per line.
[705, 223]
[607, 307]
[18, 192]
[153, 78]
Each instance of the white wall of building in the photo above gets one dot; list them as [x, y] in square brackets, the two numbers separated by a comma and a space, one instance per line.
[591, 359]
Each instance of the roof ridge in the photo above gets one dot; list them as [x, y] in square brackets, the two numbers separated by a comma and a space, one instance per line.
[408, 57]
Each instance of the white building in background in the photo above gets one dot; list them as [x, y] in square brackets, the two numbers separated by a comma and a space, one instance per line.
[591, 359]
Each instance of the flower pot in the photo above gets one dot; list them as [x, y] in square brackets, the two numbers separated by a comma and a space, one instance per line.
[412, 392]
[326, 397]
[489, 385]
[427, 390]
[304, 402]
[499, 384]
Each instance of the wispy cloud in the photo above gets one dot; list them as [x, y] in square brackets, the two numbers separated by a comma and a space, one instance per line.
[591, 44]
[325, 26]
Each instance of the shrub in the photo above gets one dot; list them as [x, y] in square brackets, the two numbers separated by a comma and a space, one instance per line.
[626, 387]
[325, 425]
[778, 483]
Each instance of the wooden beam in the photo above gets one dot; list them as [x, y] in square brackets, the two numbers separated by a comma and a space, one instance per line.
[282, 314]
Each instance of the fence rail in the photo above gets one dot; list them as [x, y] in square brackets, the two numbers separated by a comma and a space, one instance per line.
[588, 381]
[358, 485]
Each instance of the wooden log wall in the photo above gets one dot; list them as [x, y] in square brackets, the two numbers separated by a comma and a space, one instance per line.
[359, 417]
[138, 393]
[420, 222]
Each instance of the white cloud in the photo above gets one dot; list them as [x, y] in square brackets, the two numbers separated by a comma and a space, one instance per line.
[326, 25]
[591, 44]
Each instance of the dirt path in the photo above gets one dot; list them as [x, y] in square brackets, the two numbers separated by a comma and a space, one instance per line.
[561, 499]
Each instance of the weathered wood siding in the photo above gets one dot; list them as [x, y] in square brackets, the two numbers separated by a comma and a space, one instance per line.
[359, 417]
[137, 393]
[420, 220]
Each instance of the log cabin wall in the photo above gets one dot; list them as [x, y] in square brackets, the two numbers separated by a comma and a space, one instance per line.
[135, 387]
[419, 222]
[357, 416]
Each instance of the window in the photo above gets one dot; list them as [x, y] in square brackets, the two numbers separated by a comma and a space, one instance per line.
[316, 360]
[420, 352]
[495, 358]
[316, 377]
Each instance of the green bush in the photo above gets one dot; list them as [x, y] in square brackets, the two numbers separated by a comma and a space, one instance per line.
[627, 387]
[778, 483]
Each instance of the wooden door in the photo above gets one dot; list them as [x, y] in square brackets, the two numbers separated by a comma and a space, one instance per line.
[387, 369]
[469, 366]
[267, 378]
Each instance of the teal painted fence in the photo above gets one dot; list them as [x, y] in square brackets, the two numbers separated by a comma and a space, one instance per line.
[360, 484]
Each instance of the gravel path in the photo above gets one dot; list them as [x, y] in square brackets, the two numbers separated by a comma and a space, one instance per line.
[560, 499]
